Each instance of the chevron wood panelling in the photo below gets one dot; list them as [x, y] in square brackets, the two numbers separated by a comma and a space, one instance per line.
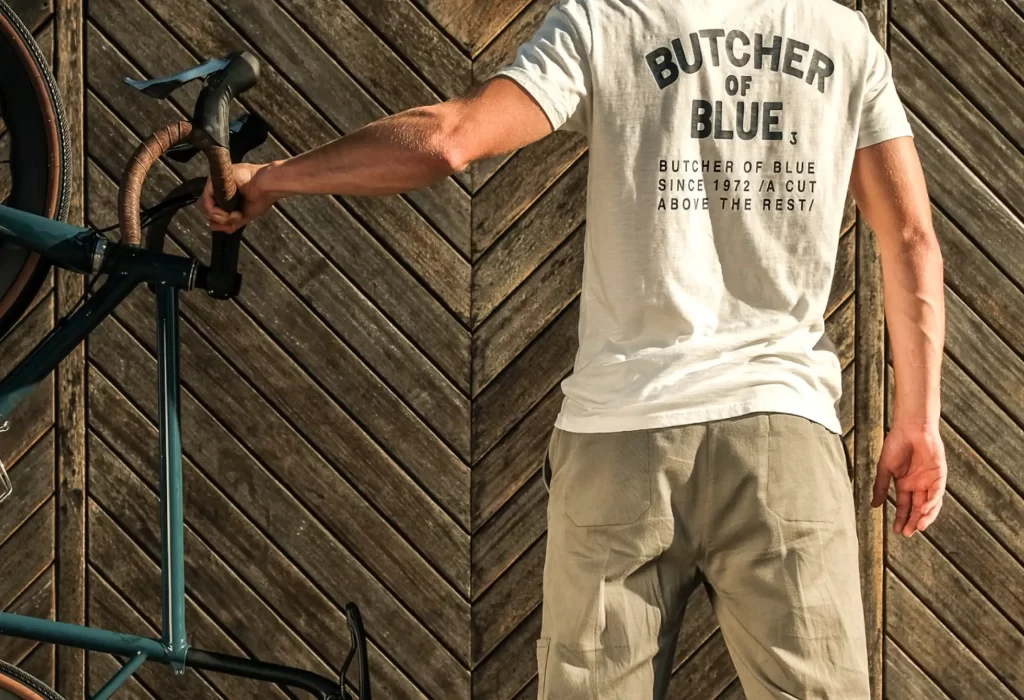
[368, 420]
[954, 596]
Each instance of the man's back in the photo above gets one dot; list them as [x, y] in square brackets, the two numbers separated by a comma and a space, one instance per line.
[722, 138]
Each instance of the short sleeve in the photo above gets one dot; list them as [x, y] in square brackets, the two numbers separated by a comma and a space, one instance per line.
[554, 66]
[882, 114]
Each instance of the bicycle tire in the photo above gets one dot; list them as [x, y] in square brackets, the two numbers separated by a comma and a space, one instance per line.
[34, 116]
[15, 684]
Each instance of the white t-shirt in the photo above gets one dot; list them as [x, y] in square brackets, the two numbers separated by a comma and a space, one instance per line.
[722, 135]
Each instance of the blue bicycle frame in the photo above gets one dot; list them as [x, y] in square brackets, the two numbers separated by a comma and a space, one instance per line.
[84, 251]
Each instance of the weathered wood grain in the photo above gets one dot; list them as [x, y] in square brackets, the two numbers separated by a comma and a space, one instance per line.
[529, 241]
[518, 185]
[406, 28]
[844, 279]
[471, 23]
[27, 554]
[526, 381]
[706, 674]
[294, 527]
[222, 498]
[108, 608]
[505, 672]
[70, 380]
[524, 314]
[509, 534]
[502, 50]
[32, 12]
[982, 79]
[32, 478]
[36, 601]
[41, 663]
[504, 606]
[935, 649]
[982, 286]
[520, 454]
[961, 606]
[301, 401]
[968, 132]
[903, 678]
[103, 667]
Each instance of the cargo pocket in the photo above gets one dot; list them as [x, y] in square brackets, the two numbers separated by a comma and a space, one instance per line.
[607, 477]
[542, 668]
[804, 470]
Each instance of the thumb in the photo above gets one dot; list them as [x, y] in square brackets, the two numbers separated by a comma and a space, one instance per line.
[883, 475]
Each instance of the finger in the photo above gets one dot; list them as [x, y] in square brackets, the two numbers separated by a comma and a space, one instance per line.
[915, 516]
[928, 519]
[881, 488]
[903, 503]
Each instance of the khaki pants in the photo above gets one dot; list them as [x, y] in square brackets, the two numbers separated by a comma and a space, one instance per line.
[759, 509]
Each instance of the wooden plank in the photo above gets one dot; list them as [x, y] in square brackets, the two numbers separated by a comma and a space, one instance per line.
[699, 623]
[26, 554]
[935, 649]
[839, 327]
[844, 279]
[37, 601]
[515, 460]
[526, 381]
[29, 422]
[334, 297]
[224, 524]
[107, 608]
[982, 79]
[961, 606]
[866, 397]
[300, 127]
[286, 50]
[512, 665]
[734, 691]
[40, 663]
[527, 243]
[471, 23]
[527, 311]
[24, 337]
[32, 12]
[707, 673]
[983, 492]
[905, 679]
[989, 361]
[976, 279]
[979, 558]
[395, 85]
[288, 523]
[32, 478]
[405, 27]
[103, 667]
[503, 607]
[992, 433]
[967, 131]
[302, 402]
[519, 184]
[508, 535]
[502, 50]
[70, 380]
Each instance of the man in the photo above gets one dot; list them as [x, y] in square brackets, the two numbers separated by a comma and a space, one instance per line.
[698, 441]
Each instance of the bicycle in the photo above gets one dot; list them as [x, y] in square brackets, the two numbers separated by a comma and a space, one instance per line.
[32, 239]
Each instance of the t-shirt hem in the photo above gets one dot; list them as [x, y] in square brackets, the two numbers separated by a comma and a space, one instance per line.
[537, 91]
[874, 137]
[824, 415]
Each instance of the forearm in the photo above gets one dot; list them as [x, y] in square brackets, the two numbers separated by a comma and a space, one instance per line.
[915, 314]
[404, 152]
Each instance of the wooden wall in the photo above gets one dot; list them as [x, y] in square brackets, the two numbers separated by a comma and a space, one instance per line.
[368, 420]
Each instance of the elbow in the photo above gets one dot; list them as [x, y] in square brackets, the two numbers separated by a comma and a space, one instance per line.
[449, 140]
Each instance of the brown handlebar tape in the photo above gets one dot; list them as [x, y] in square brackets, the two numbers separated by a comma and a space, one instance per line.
[149, 152]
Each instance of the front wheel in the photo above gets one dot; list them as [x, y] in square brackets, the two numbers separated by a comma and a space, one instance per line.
[15, 684]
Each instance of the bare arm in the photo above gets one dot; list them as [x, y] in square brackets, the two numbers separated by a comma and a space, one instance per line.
[890, 190]
[403, 152]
